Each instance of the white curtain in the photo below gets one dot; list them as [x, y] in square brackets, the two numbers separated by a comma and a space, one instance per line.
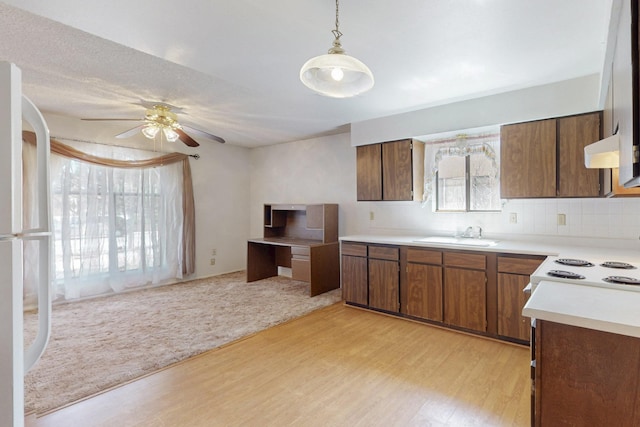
[114, 229]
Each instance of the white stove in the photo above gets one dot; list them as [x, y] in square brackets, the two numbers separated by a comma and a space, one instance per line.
[605, 273]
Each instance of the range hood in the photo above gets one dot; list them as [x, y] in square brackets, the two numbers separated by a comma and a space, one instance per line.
[604, 154]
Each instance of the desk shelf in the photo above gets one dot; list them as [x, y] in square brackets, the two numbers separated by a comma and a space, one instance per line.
[301, 237]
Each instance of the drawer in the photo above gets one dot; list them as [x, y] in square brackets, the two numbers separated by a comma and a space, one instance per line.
[465, 260]
[301, 270]
[424, 256]
[354, 249]
[384, 252]
[300, 251]
[525, 266]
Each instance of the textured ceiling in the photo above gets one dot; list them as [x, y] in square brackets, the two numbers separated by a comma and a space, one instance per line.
[232, 66]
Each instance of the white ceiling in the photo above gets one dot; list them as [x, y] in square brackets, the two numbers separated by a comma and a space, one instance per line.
[232, 66]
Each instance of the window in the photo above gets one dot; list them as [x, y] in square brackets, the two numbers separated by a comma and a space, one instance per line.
[114, 228]
[465, 174]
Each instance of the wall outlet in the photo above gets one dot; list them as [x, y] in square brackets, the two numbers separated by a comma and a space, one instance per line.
[562, 219]
[371, 216]
[212, 261]
[214, 252]
[513, 218]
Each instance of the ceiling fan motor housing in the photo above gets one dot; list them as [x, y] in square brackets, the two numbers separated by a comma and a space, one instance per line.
[161, 116]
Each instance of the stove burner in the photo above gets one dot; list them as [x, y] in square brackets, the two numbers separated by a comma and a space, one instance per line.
[565, 274]
[616, 264]
[574, 262]
[622, 280]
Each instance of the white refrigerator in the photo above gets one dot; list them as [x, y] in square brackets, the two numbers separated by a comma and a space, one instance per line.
[16, 113]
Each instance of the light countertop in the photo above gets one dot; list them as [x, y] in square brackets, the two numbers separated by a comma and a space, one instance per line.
[603, 309]
[548, 247]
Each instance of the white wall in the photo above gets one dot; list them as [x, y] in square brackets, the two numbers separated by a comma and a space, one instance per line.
[553, 100]
[221, 181]
[324, 170]
[320, 170]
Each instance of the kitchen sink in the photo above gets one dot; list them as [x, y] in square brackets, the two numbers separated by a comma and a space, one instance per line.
[457, 241]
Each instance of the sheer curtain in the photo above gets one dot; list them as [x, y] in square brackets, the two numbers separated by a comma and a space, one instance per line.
[120, 221]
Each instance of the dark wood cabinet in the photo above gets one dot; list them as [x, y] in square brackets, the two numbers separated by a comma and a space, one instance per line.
[513, 277]
[573, 134]
[355, 283]
[585, 377]
[465, 291]
[476, 291]
[384, 278]
[385, 171]
[369, 172]
[371, 275]
[545, 158]
[528, 159]
[397, 179]
[422, 295]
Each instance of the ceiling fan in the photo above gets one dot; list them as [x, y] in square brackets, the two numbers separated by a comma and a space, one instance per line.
[159, 118]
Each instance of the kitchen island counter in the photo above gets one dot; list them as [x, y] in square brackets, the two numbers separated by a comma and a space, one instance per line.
[592, 307]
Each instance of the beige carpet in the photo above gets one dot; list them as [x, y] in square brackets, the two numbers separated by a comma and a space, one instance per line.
[99, 343]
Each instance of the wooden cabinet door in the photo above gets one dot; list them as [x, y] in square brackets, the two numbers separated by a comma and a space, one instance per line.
[574, 133]
[369, 172]
[511, 301]
[384, 280]
[585, 377]
[354, 279]
[465, 298]
[528, 159]
[424, 291]
[397, 180]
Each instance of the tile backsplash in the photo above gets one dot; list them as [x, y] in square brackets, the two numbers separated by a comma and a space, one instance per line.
[597, 218]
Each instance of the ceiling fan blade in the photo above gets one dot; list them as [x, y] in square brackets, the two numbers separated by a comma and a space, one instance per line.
[203, 134]
[130, 132]
[186, 138]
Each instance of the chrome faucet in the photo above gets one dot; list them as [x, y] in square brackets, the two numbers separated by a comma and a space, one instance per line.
[468, 233]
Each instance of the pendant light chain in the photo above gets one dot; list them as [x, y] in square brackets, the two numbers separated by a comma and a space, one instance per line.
[336, 33]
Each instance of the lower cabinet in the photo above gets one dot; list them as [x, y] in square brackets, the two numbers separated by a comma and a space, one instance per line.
[465, 298]
[354, 273]
[422, 296]
[585, 377]
[477, 291]
[384, 278]
[513, 277]
[370, 275]
[465, 290]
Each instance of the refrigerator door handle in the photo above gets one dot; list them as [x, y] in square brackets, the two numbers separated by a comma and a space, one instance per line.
[42, 234]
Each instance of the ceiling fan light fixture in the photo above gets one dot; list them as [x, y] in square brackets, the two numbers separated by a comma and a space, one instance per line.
[150, 130]
[336, 74]
[170, 134]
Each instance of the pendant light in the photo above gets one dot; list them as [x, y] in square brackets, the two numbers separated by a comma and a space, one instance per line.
[336, 74]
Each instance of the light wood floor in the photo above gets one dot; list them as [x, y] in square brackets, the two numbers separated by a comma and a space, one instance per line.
[339, 366]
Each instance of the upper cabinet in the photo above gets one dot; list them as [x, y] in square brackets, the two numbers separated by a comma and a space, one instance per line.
[528, 159]
[369, 172]
[573, 134]
[545, 158]
[390, 171]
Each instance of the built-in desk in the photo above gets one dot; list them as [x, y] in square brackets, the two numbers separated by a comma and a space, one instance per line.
[301, 237]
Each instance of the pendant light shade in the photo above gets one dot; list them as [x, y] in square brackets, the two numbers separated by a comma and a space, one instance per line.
[336, 74]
